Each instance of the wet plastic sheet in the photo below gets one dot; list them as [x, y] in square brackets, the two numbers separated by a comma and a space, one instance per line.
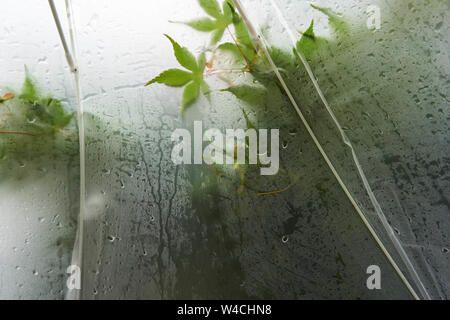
[375, 114]
[379, 112]
[155, 230]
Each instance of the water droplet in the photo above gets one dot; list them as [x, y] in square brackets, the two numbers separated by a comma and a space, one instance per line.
[285, 239]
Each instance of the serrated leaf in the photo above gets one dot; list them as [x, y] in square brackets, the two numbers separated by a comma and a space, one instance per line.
[172, 77]
[237, 54]
[242, 34]
[281, 57]
[205, 88]
[202, 24]
[254, 96]
[338, 24]
[190, 93]
[29, 92]
[217, 26]
[309, 33]
[176, 77]
[54, 113]
[56, 109]
[227, 12]
[211, 7]
[307, 42]
[59, 117]
[47, 110]
[230, 47]
[183, 55]
[217, 35]
[201, 61]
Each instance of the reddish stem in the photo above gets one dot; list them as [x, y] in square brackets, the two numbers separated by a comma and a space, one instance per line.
[239, 48]
[17, 132]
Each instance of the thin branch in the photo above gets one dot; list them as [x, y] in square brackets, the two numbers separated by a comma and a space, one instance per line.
[239, 48]
[17, 132]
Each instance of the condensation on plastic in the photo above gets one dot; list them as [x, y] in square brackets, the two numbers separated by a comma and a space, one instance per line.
[39, 192]
[156, 230]
[387, 88]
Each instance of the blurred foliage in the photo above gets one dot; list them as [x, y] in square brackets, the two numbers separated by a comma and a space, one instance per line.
[33, 128]
[229, 60]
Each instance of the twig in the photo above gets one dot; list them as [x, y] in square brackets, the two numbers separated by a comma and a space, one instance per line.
[17, 132]
[240, 50]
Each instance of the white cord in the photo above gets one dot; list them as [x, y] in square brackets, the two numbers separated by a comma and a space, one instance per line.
[62, 37]
[77, 256]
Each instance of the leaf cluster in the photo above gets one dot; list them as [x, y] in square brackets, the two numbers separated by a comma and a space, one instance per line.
[221, 18]
[43, 111]
[243, 49]
[191, 79]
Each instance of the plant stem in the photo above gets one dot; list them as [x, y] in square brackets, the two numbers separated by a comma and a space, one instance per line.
[17, 132]
[216, 71]
[240, 50]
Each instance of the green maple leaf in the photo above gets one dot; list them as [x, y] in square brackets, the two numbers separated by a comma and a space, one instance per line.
[46, 111]
[338, 24]
[308, 43]
[308, 35]
[172, 77]
[221, 19]
[190, 93]
[192, 80]
[243, 48]
[242, 34]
